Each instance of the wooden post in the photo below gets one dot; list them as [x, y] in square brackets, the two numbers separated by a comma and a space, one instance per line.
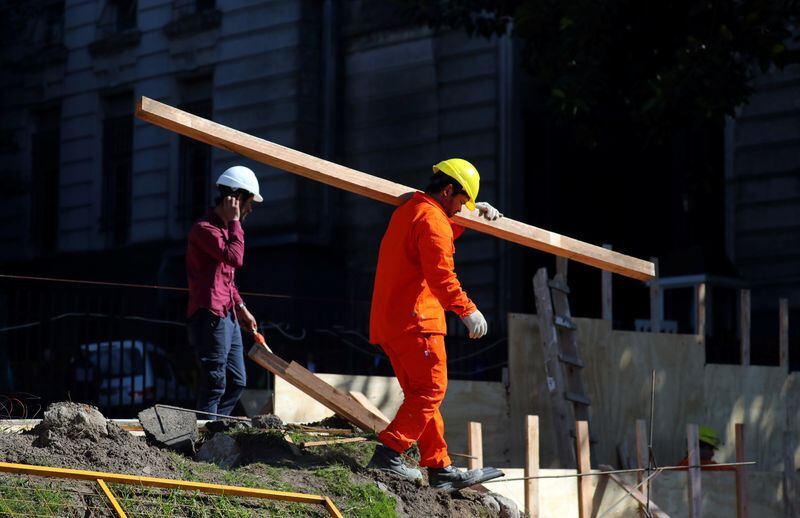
[584, 466]
[606, 292]
[642, 458]
[693, 473]
[790, 500]
[562, 265]
[783, 332]
[700, 308]
[532, 466]
[741, 474]
[744, 325]
[475, 445]
[655, 301]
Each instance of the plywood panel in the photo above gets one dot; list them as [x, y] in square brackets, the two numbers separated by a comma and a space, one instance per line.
[527, 388]
[760, 397]
[617, 379]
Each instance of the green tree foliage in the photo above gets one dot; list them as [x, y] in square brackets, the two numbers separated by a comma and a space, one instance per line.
[655, 65]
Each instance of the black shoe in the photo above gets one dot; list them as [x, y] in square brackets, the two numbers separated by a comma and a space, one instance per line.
[452, 479]
[386, 459]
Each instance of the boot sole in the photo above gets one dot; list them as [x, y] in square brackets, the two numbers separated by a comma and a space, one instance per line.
[396, 474]
[488, 474]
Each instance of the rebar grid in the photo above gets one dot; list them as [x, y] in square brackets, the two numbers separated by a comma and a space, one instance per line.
[30, 495]
[25, 495]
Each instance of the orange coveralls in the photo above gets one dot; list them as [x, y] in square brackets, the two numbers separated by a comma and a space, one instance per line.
[415, 283]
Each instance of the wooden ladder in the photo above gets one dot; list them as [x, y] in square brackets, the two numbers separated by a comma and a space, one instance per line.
[562, 362]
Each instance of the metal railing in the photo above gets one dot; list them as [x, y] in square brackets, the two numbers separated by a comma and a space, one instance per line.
[124, 347]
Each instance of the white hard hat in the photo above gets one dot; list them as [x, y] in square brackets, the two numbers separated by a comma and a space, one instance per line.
[241, 177]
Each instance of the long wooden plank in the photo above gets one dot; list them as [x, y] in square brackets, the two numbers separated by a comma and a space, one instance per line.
[340, 402]
[379, 189]
[366, 403]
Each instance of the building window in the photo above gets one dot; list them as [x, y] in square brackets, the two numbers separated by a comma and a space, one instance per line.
[53, 24]
[45, 161]
[194, 163]
[117, 16]
[117, 167]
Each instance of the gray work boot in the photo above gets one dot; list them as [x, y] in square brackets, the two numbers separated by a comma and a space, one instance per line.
[386, 459]
[452, 479]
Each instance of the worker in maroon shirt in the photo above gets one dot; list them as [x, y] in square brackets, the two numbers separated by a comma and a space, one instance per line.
[216, 310]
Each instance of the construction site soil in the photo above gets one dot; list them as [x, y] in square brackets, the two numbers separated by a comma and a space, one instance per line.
[78, 436]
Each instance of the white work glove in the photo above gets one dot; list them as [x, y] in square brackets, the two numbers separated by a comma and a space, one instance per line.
[487, 211]
[476, 324]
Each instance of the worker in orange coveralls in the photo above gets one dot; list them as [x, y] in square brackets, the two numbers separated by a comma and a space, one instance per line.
[415, 283]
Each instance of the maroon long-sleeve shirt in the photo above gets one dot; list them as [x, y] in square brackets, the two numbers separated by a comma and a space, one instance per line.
[214, 252]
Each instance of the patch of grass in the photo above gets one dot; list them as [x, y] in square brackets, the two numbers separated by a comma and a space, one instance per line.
[21, 496]
[364, 500]
[161, 502]
[257, 473]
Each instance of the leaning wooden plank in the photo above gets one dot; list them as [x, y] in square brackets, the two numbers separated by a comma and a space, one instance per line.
[366, 403]
[328, 442]
[338, 401]
[379, 189]
[635, 493]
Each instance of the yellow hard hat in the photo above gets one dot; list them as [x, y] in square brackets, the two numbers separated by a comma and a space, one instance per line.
[709, 436]
[465, 174]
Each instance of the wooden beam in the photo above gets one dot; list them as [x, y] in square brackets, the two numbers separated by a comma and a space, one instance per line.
[656, 311]
[584, 466]
[783, 332]
[693, 473]
[379, 189]
[744, 325]
[700, 301]
[741, 474]
[327, 442]
[636, 494]
[474, 445]
[607, 295]
[791, 500]
[642, 459]
[366, 403]
[532, 466]
[340, 402]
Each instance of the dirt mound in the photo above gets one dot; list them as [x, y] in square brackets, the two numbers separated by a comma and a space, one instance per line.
[78, 436]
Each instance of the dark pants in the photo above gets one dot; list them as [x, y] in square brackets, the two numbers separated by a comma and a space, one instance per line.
[217, 343]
